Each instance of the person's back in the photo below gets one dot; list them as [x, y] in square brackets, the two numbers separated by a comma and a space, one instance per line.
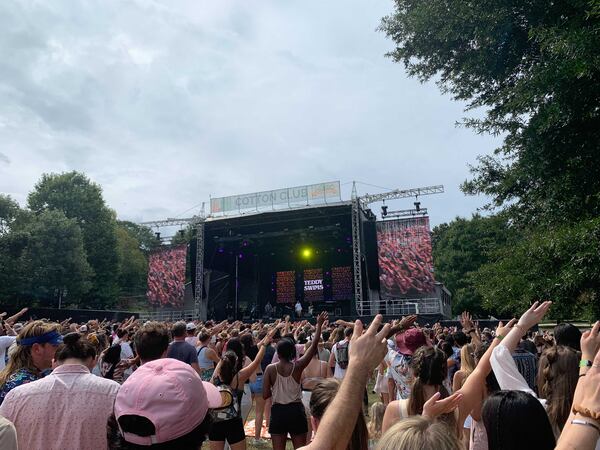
[182, 351]
[65, 410]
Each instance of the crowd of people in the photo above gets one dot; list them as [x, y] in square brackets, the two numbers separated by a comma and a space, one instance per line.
[160, 385]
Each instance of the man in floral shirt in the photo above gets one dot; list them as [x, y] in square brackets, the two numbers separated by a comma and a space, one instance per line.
[36, 346]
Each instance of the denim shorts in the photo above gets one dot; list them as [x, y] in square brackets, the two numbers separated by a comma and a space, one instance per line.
[256, 386]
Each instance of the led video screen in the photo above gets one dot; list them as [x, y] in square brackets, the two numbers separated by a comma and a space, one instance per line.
[166, 276]
[405, 259]
[314, 285]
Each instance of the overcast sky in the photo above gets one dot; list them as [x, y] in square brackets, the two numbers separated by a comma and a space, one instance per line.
[165, 103]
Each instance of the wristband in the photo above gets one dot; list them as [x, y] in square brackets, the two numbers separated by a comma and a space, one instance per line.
[499, 337]
[578, 409]
[585, 363]
[586, 423]
[469, 332]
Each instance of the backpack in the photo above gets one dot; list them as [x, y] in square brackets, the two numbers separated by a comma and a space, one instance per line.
[341, 355]
[230, 406]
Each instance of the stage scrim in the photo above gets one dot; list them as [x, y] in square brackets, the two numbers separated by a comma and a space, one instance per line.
[166, 276]
[405, 260]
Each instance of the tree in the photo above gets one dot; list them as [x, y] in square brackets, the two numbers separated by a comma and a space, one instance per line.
[12, 243]
[80, 199]
[55, 258]
[460, 248]
[9, 211]
[559, 264]
[533, 68]
[133, 263]
[144, 235]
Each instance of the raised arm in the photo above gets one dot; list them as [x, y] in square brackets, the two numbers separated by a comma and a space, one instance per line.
[582, 430]
[402, 325]
[505, 368]
[365, 353]
[308, 355]
[469, 328]
[247, 371]
[529, 318]
[12, 319]
[473, 389]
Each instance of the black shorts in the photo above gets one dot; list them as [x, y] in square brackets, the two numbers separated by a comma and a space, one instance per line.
[290, 418]
[231, 430]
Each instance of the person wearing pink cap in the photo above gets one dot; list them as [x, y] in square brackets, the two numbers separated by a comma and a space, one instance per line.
[163, 405]
[398, 360]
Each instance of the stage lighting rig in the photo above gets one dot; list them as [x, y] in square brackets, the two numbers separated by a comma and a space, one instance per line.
[407, 213]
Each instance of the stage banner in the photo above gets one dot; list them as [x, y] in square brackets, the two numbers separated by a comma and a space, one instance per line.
[405, 260]
[166, 276]
[313, 194]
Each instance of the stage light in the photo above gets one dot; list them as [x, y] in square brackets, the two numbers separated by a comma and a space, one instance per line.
[306, 253]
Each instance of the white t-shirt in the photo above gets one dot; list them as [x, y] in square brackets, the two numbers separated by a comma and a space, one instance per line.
[126, 353]
[192, 340]
[5, 342]
[338, 372]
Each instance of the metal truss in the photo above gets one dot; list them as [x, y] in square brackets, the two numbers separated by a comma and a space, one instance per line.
[401, 193]
[356, 257]
[200, 308]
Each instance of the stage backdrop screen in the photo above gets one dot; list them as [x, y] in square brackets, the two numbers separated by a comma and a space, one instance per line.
[166, 276]
[314, 285]
[286, 286]
[405, 260]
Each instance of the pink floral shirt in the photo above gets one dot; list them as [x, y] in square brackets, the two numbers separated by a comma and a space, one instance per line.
[66, 410]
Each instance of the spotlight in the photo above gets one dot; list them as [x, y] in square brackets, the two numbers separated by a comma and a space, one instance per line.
[384, 209]
[306, 253]
[418, 206]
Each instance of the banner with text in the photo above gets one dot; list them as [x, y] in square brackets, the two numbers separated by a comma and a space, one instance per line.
[314, 194]
[166, 276]
[405, 259]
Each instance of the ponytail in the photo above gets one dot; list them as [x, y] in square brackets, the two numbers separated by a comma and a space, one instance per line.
[75, 347]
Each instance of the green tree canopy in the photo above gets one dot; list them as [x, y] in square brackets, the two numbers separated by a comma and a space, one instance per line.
[55, 258]
[561, 264]
[534, 68]
[460, 248]
[133, 263]
[78, 198]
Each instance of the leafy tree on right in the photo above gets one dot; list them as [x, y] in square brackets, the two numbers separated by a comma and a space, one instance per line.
[534, 68]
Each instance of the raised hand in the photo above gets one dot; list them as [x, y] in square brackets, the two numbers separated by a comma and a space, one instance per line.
[586, 400]
[322, 318]
[408, 321]
[502, 330]
[466, 321]
[366, 351]
[435, 407]
[533, 315]
[590, 342]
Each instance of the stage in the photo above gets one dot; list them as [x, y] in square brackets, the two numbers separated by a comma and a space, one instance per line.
[279, 258]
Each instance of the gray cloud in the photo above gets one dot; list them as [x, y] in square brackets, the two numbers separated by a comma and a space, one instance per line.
[166, 103]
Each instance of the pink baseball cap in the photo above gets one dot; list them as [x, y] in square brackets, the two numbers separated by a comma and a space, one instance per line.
[409, 341]
[170, 394]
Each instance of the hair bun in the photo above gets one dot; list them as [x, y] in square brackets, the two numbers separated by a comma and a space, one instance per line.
[71, 338]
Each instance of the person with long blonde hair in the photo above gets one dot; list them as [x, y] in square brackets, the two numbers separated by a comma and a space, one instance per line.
[419, 433]
[375, 423]
[36, 346]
